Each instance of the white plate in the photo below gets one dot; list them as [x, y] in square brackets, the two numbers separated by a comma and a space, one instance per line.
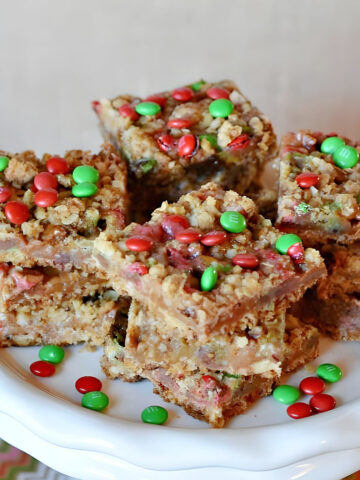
[44, 418]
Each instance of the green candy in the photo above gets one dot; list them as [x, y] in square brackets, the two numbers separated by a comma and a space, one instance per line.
[155, 415]
[147, 108]
[197, 85]
[52, 354]
[286, 394]
[222, 107]
[303, 207]
[208, 279]
[85, 174]
[230, 375]
[329, 372]
[95, 401]
[329, 145]
[284, 242]
[148, 165]
[346, 157]
[211, 139]
[84, 190]
[233, 222]
[4, 162]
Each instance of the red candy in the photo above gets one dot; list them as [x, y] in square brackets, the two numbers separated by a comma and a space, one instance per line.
[17, 212]
[188, 236]
[299, 410]
[172, 224]
[166, 142]
[179, 123]
[322, 402]
[296, 252]
[307, 179]
[213, 238]
[183, 94]
[246, 260]
[45, 180]
[5, 194]
[239, 143]
[188, 145]
[96, 105]
[129, 112]
[215, 93]
[312, 385]
[57, 165]
[139, 268]
[88, 384]
[46, 197]
[138, 244]
[159, 99]
[42, 369]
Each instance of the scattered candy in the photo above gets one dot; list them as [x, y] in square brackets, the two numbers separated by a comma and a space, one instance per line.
[96, 105]
[188, 146]
[128, 111]
[148, 165]
[286, 394]
[57, 165]
[211, 139]
[246, 260]
[208, 279]
[346, 157]
[296, 252]
[172, 224]
[52, 354]
[85, 174]
[329, 372]
[213, 238]
[17, 212]
[299, 410]
[4, 162]
[155, 415]
[139, 268]
[45, 180]
[139, 244]
[196, 86]
[85, 189]
[179, 123]
[221, 108]
[166, 142]
[42, 369]
[188, 236]
[307, 179]
[95, 401]
[157, 98]
[215, 93]
[5, 194]
[46, 197]
[183, 94]
[147, 108]
[88, 384]
[312, 385]
[233, 222]
[285, 241]
[330, 144]
[239, 143]
[322, 402]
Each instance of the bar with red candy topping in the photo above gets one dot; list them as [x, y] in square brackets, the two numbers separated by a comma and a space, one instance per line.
[178, 140]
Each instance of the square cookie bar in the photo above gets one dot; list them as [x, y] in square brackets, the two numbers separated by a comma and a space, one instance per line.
[178, 140]
[52, 208]
[319, 187]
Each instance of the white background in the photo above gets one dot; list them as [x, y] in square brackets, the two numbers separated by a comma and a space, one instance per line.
[297, 60]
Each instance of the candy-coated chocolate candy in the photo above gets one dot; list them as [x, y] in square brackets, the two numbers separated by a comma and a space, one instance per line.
[346, 157]
[154, 414]
[286, 394]
[188, 146]
[5, 194]
[148, 165]
[312, 385]
[211, 139]
[299, 410]
[46, 197]
[233, 222]
[213, 238]
[17, 212]
[88, 384]
[166, 142]
[85, 189]
[138, 268]
[307, 179]
[157, 98]
[147, 108]
[215, 93]
[96, 105]
[183, 94]
[95, 401]
[45, 180]
[329, 372]
[57, 165]
[179, 123]
[196, 86]
[85, 174]
[285, 241]
[128, 111]
[188, 236]
[322, 402]
[330, 144]
[221, 108]
[52, 354]
[239, 143]
[4, 162]
[296, 252]
[172, 224]
[139, 244]
[246, 260]
[42, 369]
[208, 279]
